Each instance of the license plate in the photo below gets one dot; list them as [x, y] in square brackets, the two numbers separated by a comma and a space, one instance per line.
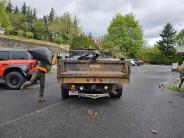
[73, 93]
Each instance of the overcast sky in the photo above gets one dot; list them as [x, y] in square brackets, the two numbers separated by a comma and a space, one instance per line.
[95, 15]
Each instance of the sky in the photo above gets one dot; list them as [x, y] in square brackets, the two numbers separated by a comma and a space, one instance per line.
[95, 15]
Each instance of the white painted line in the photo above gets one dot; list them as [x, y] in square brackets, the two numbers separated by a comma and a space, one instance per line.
[30, 114]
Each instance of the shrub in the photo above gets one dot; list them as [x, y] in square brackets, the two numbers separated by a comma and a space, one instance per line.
[20, 33]
[58, 40]
[153, 56]
[29, 34]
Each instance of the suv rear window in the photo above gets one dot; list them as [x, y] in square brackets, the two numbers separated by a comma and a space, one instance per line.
[4, 55]
[17, 55]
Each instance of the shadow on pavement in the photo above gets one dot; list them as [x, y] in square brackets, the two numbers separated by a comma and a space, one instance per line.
[90, 102]
[2, 86]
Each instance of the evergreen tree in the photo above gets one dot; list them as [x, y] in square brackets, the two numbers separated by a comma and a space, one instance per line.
[90, 35]
[28, 10]
[9, 7]
[166, 45]
[34, 14]
[45, 22]
[75, 22]
[76, 27]
[45, 19]
[16, 10]
[24, 8]
[29, 17]
[52, 15]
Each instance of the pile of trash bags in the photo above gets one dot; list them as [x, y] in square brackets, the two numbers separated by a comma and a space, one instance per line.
[89, 55]
[42, 54]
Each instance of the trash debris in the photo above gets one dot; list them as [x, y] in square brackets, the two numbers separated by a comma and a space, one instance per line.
[89, 55]
[154, 132]
[170, 102]
[161, 86]
[92, 113]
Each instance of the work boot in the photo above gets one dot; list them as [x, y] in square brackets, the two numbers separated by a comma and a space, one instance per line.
[41, 99]
[23, 86]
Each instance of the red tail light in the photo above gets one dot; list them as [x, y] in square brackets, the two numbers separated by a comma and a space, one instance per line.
[32, 65]
[73, 89]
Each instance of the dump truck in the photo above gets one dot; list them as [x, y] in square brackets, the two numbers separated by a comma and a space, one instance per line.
[93, 79]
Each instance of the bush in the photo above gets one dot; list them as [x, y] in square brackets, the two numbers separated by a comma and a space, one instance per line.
[20, 33]
[8, 31]
[58, 40]
[176, 88]
[29, 34]
[153, 56]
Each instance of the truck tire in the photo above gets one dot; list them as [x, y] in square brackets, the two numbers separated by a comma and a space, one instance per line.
[14, 80]
[119, 92]
[118, 95]
[64, 93]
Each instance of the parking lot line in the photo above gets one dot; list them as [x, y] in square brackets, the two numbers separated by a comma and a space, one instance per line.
[30, 114]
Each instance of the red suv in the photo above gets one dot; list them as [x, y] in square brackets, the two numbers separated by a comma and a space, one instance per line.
[16, 66]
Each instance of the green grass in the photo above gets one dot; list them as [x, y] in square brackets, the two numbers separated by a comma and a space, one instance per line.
[176, 88]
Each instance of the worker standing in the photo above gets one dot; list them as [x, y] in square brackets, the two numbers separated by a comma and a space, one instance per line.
[181, 74]
[39, 74]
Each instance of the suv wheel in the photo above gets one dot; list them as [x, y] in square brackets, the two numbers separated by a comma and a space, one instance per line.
[14, 80]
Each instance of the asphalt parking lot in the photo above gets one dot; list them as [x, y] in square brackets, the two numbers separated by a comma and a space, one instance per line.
[144, 111]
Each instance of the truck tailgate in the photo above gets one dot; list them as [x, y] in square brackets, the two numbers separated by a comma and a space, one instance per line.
[107, 71]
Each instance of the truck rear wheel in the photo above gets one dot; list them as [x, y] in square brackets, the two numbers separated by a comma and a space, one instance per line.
[118, 95]
[64, 93]
[119, 91]
[14, 80]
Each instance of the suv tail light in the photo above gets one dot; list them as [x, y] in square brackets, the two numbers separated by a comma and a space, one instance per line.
[32, 66]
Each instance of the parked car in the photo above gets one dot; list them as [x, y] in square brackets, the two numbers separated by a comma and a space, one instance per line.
[141, 62]
[138, 62]
[132, 62]
[2, 30]
[16, 66]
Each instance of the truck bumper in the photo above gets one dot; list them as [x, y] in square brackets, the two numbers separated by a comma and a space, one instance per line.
[94, 96]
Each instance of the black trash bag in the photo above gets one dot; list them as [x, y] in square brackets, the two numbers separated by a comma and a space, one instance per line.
[92, 56]
[42, 54]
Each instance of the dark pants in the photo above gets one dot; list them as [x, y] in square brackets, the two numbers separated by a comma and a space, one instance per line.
[38, 75]
[182, 80]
